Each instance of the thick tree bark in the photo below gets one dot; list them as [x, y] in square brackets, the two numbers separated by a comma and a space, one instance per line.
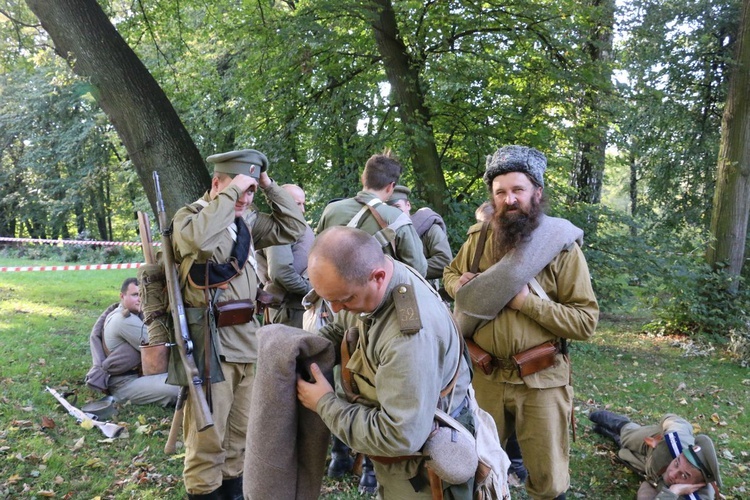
[145, 120]
[731, 208]
[403, 75]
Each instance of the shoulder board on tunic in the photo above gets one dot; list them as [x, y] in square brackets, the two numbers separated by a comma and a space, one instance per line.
[405, 302]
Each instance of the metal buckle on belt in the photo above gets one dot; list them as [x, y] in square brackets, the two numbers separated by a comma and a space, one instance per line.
[503, 364]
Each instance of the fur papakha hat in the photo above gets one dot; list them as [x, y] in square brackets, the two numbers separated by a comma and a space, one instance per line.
[516, 159]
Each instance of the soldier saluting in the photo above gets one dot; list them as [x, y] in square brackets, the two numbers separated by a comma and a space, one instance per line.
[214, 242]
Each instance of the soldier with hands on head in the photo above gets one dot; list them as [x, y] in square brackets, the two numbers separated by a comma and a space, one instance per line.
[674, 461]
[531, 278]
[214, 242]
[403, 350]
[286, 270]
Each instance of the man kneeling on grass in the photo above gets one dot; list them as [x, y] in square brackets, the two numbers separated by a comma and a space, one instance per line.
[674, 461]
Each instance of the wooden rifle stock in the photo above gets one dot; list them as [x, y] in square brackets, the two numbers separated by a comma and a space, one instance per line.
[202, 413]
[170, 447]
[144, 229]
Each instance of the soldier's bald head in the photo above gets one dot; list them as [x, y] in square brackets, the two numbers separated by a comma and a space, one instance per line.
[297, 194]
[352, 253]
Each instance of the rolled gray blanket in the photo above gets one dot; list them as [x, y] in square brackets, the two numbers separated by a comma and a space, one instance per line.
[286, 445]
[482, 298]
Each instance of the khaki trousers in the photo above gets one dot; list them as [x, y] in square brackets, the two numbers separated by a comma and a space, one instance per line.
[218, 453]
[541, 418]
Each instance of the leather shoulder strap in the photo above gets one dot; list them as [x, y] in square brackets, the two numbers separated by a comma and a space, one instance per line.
[480, 247]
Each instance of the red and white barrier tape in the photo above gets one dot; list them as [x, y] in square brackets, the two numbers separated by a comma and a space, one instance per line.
[77, 242]
[84, 267]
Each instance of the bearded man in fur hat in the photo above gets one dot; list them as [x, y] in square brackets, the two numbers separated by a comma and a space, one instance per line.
[522, 290]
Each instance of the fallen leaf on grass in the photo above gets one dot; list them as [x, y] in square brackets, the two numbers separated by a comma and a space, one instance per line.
[94, 463]
[87, 424]
[14, 479]
[727, 454]
[46, 493]
[48, 423]
[59, 480]
[78, 445]
[682, 386]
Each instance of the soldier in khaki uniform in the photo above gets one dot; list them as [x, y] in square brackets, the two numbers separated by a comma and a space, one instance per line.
[431, 230]
[214, 241]
[675, 462]
[407, 351]
[122, 337]
[399, 239]
[525, 250]
[369, 212]
[286, 270]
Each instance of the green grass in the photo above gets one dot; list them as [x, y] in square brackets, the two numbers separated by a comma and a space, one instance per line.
[45, 319]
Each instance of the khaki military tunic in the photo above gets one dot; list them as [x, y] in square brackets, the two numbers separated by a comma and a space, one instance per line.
[540, 417]
[199, 235]
[408, 245]
[125, 331]
[401, 375]
[287, 274]
[653, 461]
[437, 250]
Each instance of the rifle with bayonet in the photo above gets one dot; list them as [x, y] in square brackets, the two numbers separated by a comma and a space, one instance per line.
[184, 344]
[108, 429]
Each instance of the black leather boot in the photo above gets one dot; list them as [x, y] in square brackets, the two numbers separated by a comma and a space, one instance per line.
[609, 420]
[214, 495]
[231, 489]
[516, 460]
[603, 431]
[368, 483]
[341, 459]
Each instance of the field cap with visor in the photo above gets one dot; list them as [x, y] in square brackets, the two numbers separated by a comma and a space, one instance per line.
[399, 193]
[702, 456]
[244, 161]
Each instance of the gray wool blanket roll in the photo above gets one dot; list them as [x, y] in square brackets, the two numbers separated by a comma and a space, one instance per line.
[286, 445]
[482, 298]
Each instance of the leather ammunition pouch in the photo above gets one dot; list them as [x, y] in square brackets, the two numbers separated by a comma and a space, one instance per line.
[526, 362]
[233, 312]
[536, 359]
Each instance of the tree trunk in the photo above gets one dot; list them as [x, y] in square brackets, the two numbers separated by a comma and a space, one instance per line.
[403, 75]
[145, 120]
[732, 196]
[588, 171]
[633, 191]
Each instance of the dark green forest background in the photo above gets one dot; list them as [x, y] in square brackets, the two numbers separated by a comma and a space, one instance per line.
[628, 100]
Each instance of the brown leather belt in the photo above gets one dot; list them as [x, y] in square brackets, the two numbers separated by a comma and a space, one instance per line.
[510, 363]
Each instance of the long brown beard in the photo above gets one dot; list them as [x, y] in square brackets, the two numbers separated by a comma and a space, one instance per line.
[510, 229]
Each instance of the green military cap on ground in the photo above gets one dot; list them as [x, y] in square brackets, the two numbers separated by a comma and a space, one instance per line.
[702, 456]
[245, 161]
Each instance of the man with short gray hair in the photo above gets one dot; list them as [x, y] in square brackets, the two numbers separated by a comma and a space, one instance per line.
[405, 360]
[526, 271]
